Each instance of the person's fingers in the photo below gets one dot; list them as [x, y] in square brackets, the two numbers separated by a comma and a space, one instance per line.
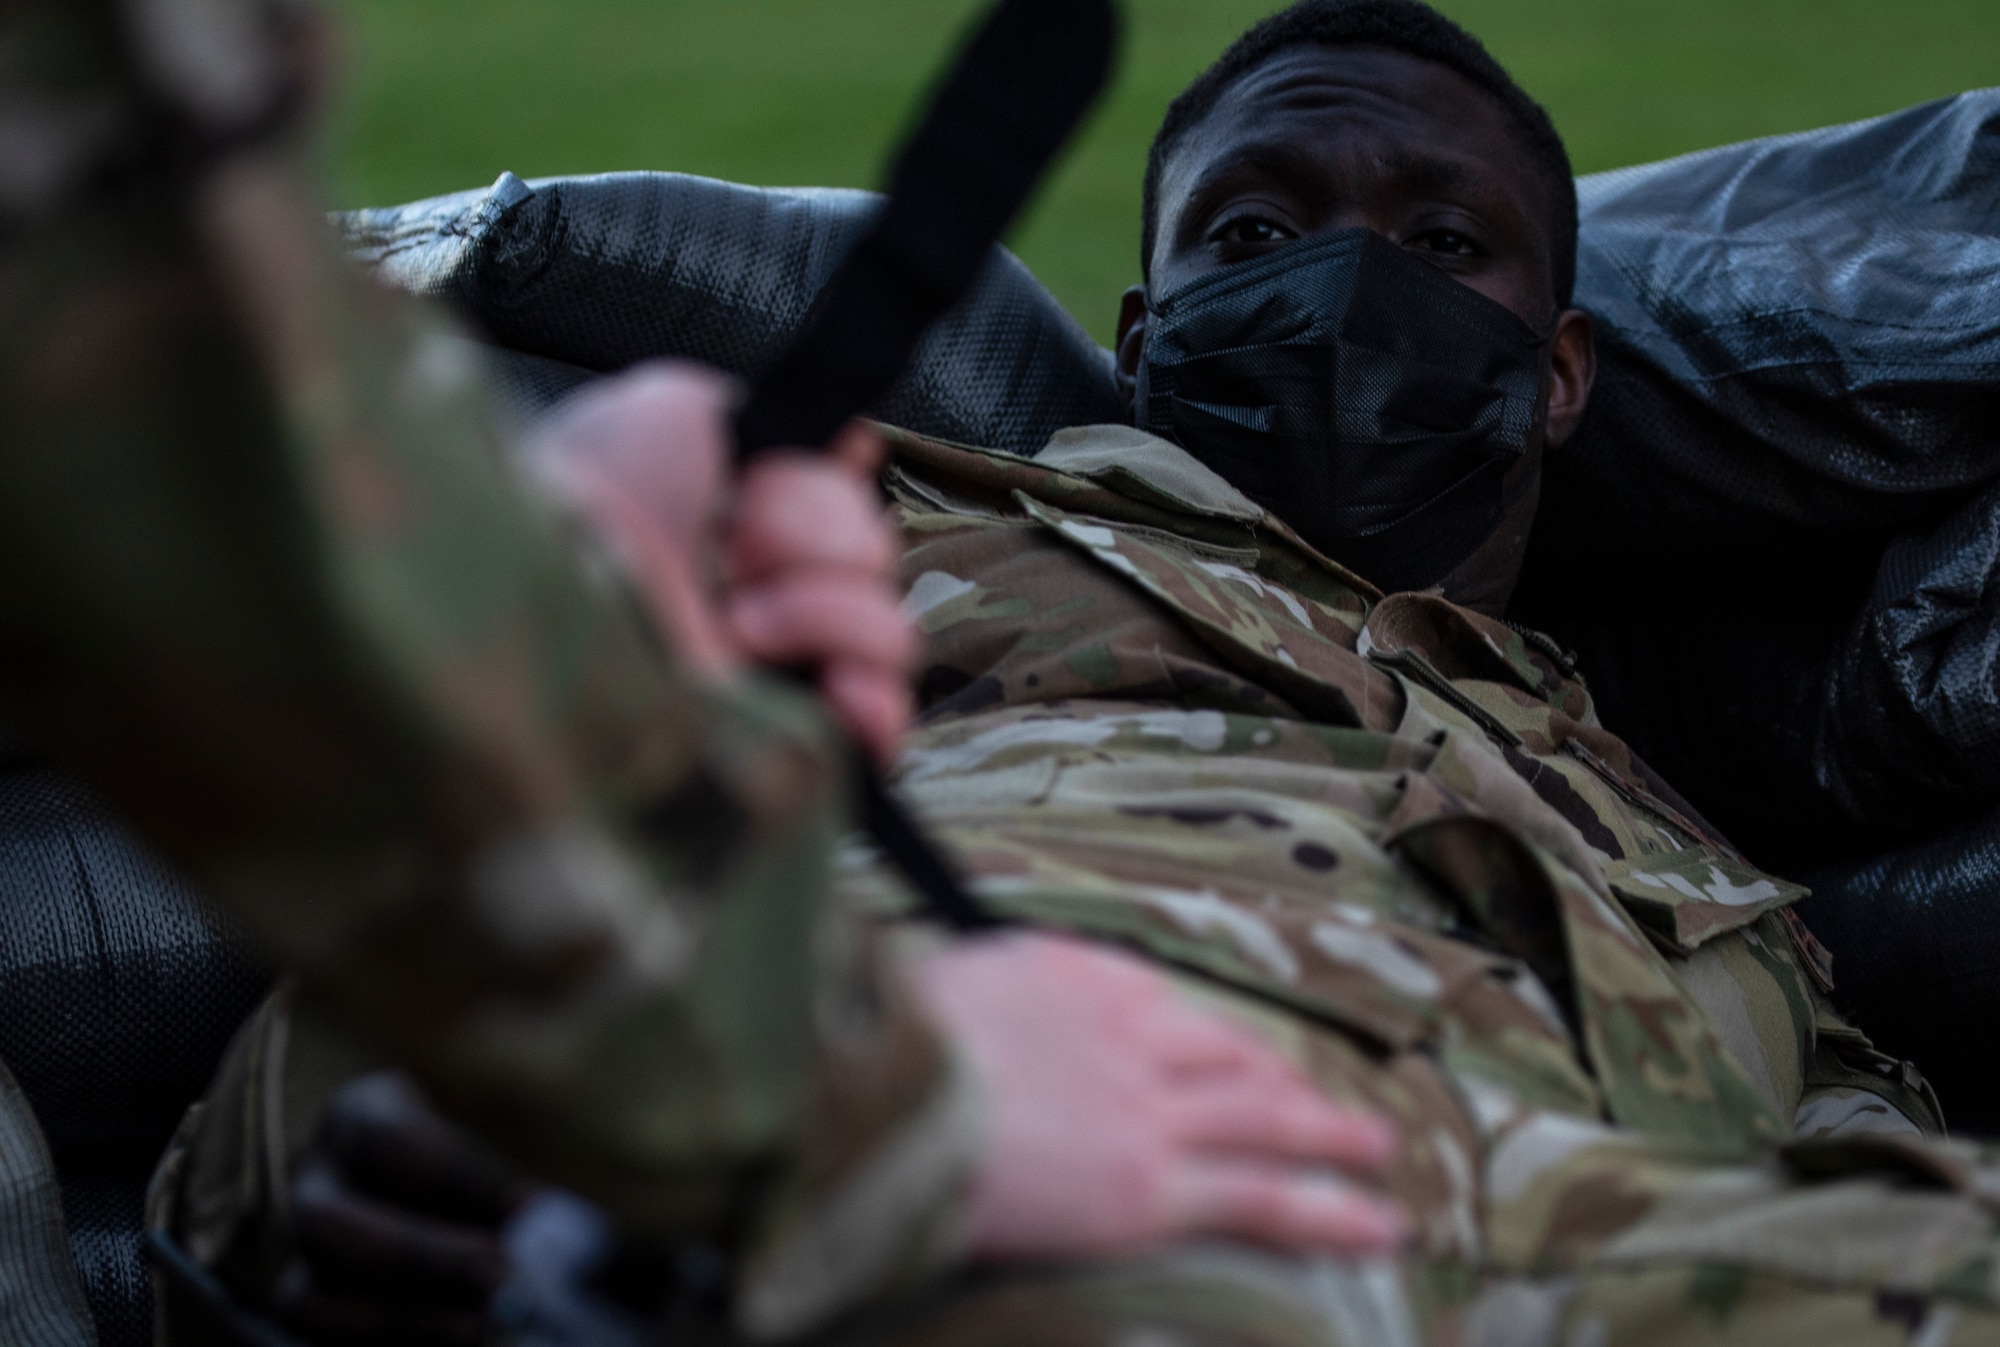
[353, 1239]
[332, 1319]
[643, 458]
[1279, 1121]
[795, 513]
[859, 450]
[1120, 984]
[659, 432]
[389, 1143]
[1282, 1207]
[1186, 1041]
[660, 404]
[875, 704]
[1017, 974]
[816, 619]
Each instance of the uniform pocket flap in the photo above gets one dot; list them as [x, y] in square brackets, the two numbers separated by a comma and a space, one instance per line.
[1687, 898]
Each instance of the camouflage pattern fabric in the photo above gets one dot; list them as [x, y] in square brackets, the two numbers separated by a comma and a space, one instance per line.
[1392, 836]
[265, 579]
[268, 581]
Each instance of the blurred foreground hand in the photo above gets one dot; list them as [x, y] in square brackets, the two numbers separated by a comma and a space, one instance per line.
[398, 1216]
[1125, 1119]
[792, 563]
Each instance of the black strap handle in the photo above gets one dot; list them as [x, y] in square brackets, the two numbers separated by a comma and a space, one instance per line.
[1018, 92]
[1013, 99]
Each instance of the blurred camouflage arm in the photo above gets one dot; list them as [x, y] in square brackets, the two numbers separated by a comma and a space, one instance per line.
[266, 580]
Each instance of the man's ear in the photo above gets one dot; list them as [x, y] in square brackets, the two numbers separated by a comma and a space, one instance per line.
[1572, 370]
[1132, 318]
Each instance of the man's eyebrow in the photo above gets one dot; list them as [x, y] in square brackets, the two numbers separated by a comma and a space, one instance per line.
[1275, 160]
[1306, 174]
[1426, 174]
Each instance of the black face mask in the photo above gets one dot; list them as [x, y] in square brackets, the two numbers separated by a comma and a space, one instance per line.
[1358, 393]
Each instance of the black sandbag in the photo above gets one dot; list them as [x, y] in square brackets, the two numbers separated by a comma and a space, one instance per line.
[599, 273]
[1771, 543]
[1910, 711]
[1917, 941]
[105, 1216]
[118, 991]
[118, 995]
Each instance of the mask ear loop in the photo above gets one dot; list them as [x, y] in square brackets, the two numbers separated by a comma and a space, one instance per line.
[1545, 383]
[1142, 378]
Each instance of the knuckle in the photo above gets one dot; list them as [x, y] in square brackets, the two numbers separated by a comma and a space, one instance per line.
[1267, 1205]
[1137, 1180]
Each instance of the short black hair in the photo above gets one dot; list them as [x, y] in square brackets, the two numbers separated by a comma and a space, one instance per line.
[1404, 25]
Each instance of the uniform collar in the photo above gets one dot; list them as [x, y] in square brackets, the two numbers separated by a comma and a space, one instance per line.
[1147, 468]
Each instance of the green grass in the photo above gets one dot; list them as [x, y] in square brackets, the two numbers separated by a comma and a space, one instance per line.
[444, 94]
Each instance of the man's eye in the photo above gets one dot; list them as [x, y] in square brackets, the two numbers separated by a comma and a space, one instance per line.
[1251, 229]
[1449, 242]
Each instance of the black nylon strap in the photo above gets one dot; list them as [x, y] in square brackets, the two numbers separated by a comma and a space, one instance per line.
[1017, 93]
[1008, 106]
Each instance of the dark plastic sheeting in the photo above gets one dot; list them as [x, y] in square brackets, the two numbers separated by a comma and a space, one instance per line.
[1774, 544]
[1919, 957]
[118, 995]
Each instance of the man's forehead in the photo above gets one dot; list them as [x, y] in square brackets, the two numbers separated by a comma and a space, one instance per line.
[1393, 107]
[1362, 76]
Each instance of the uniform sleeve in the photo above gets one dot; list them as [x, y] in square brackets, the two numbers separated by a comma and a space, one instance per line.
[268, 582]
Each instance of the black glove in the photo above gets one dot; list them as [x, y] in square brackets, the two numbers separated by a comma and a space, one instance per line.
[412, 1234]
[400, 1219]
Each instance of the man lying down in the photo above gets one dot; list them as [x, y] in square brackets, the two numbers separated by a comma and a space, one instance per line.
[1166, 705]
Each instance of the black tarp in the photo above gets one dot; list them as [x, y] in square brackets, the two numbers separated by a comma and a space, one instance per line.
[1775, 544]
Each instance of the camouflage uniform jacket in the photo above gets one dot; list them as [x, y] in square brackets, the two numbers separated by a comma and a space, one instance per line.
[1391, 833]
[269, 581]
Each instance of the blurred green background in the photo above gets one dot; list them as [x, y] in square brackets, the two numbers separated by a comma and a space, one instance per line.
[444, 94]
